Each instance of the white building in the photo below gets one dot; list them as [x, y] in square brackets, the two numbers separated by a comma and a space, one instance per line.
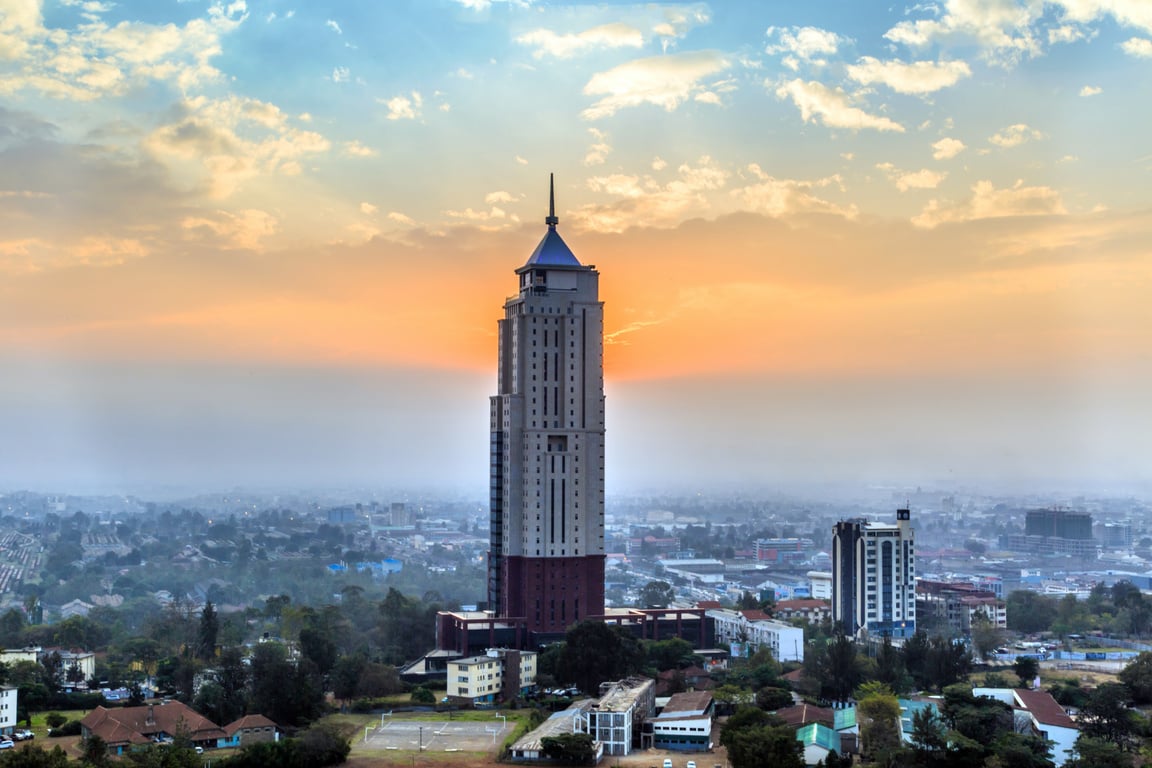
[752, 630]
[7, 709]
[1039, 712]
[499, 674]
[615, 721]
[546, 522]
[684, 725]
[874, 577]
[820, 584]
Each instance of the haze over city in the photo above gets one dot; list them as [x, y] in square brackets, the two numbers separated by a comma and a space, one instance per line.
[267, 243]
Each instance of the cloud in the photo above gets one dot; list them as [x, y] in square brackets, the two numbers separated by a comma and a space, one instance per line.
[96, 59]
[404, 107]
[341, 74]
[905, 180]
[401, 218]
[918, 77]
[600, 149]
[368, 209]
[567, 46]
[1128, 13]
[947, 148]
[808, 44]
[499, 196]
[1002, 28]
[675, 21]
[665, 81]
[780, 198]
[332, 25]
[988, 202]
[644, 201]
[1138, 47]
[356, 149]
[1091, 90]
[520, 161]
[218, 144]
[816, 100]
[243, 229]
[483, 5]
[659, 164]
[1015, 135]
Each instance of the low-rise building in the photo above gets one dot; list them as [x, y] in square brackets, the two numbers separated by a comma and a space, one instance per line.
[616, 720]
[8, 707]
[122, 728]
[499, 674]
[749, 631]
[814, 611]
[684, 725]
[958, 604]
[530, 747]
[250, 729]
[1037, 712]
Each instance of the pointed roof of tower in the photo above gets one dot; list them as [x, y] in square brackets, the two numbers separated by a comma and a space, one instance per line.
[552, 250]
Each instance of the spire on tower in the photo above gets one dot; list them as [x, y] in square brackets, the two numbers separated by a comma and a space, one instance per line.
[551, 220]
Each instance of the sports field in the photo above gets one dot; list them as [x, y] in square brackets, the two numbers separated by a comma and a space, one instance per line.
[395, 733]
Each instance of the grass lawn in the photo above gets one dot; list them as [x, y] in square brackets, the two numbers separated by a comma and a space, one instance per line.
[40, 727]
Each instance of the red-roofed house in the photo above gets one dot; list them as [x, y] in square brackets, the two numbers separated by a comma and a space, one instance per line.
[814, 611]
[250, 729]
[123, 727]
[1043, 714]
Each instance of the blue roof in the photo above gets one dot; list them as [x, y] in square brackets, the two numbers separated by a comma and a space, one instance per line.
[820, 735]
[552, 252]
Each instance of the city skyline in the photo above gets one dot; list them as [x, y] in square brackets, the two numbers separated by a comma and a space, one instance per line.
[248, 243]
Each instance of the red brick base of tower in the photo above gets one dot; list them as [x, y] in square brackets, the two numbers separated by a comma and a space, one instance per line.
[552, 593]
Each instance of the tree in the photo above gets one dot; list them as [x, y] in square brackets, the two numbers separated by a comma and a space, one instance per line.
[1105, 716]
[843, 670]
[284, 692]
[1098, 753]
[1138, 677]
[208, 630]
[770, 698]
[890, 668]
[974, 724]
[655, 594]
[595, 652]
[986, 636]
[674, 653]
[35, 756]
[569, 748]
[421, 695]
[1026, 668]
[95, 752]
[12, 623]
[1030, 611]
[1018, 750]
[763, 745]
[878, 713]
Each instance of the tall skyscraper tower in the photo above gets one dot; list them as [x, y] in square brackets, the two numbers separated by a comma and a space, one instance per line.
[546, 561]
[874, 577]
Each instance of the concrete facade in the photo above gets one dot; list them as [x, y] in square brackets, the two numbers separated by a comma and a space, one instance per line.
[546, 495]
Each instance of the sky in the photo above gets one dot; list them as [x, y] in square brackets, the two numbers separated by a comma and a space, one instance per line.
[266, 243]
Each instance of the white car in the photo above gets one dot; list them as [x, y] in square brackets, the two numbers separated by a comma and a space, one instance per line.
[691, 764]
[667, 762]
[7, 743]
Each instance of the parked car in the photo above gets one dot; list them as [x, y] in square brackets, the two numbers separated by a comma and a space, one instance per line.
[691, 764]
[7, 743]
[667, 762]
[23, 734]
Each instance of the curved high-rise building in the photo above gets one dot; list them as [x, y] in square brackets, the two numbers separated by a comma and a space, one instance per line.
[546, 562]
